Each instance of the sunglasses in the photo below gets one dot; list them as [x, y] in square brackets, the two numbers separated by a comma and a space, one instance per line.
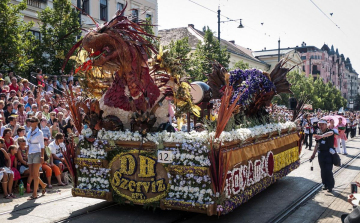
[32, 121]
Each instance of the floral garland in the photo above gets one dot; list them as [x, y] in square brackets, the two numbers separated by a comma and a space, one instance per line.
[190, 188]
[87, 162]
[88, 193]
[183, 170]
[94, 150]
[184, 205]
[253, 82]
[193, 136]
[249, 192]
[93, 178]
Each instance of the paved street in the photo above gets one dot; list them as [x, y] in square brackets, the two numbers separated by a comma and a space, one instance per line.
[58, 205]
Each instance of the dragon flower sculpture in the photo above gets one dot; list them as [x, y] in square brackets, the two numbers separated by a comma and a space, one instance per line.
[112, 59]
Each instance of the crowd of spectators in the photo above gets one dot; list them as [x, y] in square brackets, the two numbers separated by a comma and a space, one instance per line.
[34, 120]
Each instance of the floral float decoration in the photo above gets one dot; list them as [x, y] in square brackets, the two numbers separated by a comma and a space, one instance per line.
[124, 156]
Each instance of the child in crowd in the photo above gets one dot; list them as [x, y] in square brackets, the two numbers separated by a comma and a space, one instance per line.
[12, 154]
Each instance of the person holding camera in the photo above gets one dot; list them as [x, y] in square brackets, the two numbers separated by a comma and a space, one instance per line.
[325, 148]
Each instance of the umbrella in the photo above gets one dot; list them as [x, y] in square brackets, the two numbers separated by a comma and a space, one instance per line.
[343, 119]
[330, 117]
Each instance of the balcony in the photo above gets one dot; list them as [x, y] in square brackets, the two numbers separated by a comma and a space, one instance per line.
[34, 3]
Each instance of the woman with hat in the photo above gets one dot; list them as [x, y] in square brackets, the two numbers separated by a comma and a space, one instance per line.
[35, 155]
[325, 147]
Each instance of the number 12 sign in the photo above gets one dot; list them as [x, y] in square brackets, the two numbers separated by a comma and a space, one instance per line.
[165, 156]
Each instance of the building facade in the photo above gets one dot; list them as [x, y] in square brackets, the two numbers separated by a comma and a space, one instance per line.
[327, 64]
[103, 10]
[31, 13]
[272, 57]
[100, 10]
[237, 52]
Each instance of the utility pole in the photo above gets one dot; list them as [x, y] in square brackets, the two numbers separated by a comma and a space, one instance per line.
[80, 13]
[279, 50]
[218, 23]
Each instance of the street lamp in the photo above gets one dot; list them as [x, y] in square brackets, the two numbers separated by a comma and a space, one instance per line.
[241, 25]
[231, 20]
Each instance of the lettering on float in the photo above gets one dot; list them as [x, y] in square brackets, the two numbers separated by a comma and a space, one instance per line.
[246, 175]
[125, 178]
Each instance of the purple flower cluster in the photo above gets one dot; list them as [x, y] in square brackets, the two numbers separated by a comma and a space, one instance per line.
[250, 83]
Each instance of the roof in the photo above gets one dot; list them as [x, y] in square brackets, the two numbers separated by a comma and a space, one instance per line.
[271, 52]
[167, 35]
[233, 48]
[195, 35]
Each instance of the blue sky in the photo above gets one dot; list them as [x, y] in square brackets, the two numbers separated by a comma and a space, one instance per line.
[294, 21]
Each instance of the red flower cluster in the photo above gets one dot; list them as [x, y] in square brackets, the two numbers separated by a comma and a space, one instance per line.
[95, 54]
[85, 66]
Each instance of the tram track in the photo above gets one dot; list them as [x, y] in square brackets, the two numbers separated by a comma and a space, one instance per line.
[281, 216]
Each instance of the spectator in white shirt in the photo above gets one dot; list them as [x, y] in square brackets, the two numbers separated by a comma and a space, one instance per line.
[56, 146]
[35, 156]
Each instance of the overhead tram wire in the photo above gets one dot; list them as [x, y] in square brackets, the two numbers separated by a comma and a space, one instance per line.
[324, 13]
[327, 16]
[230, 20]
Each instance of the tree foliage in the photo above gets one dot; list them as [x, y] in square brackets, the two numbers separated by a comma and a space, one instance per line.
[59, 29]
[241, 65]
[357, 102]
[180, 49]
[321, 95]
[207, 52]
[149, 28]
[16, 39]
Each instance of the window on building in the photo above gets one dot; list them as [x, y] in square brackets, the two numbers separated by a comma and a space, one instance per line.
[34, 3]
[149, 17]
[303, 57]
[36, 34]
[304, 68]
[120, 6]
[86, 7]
[103, 10]
[135, 15]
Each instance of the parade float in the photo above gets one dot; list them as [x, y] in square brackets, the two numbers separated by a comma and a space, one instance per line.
[126, 155]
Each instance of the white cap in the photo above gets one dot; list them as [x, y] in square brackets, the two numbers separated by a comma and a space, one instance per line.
[322, 121]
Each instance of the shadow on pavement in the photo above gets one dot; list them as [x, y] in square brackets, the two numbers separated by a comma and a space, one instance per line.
[27, 206]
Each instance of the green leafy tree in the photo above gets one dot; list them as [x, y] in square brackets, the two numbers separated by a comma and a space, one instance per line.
[59, 29]
[321, 95]
[357, 102]
[207, 52]
[16, 39]
[241, 65]
[181, 49]
[149, 28]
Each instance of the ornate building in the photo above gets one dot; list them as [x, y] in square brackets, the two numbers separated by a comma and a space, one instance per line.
[326, 63]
